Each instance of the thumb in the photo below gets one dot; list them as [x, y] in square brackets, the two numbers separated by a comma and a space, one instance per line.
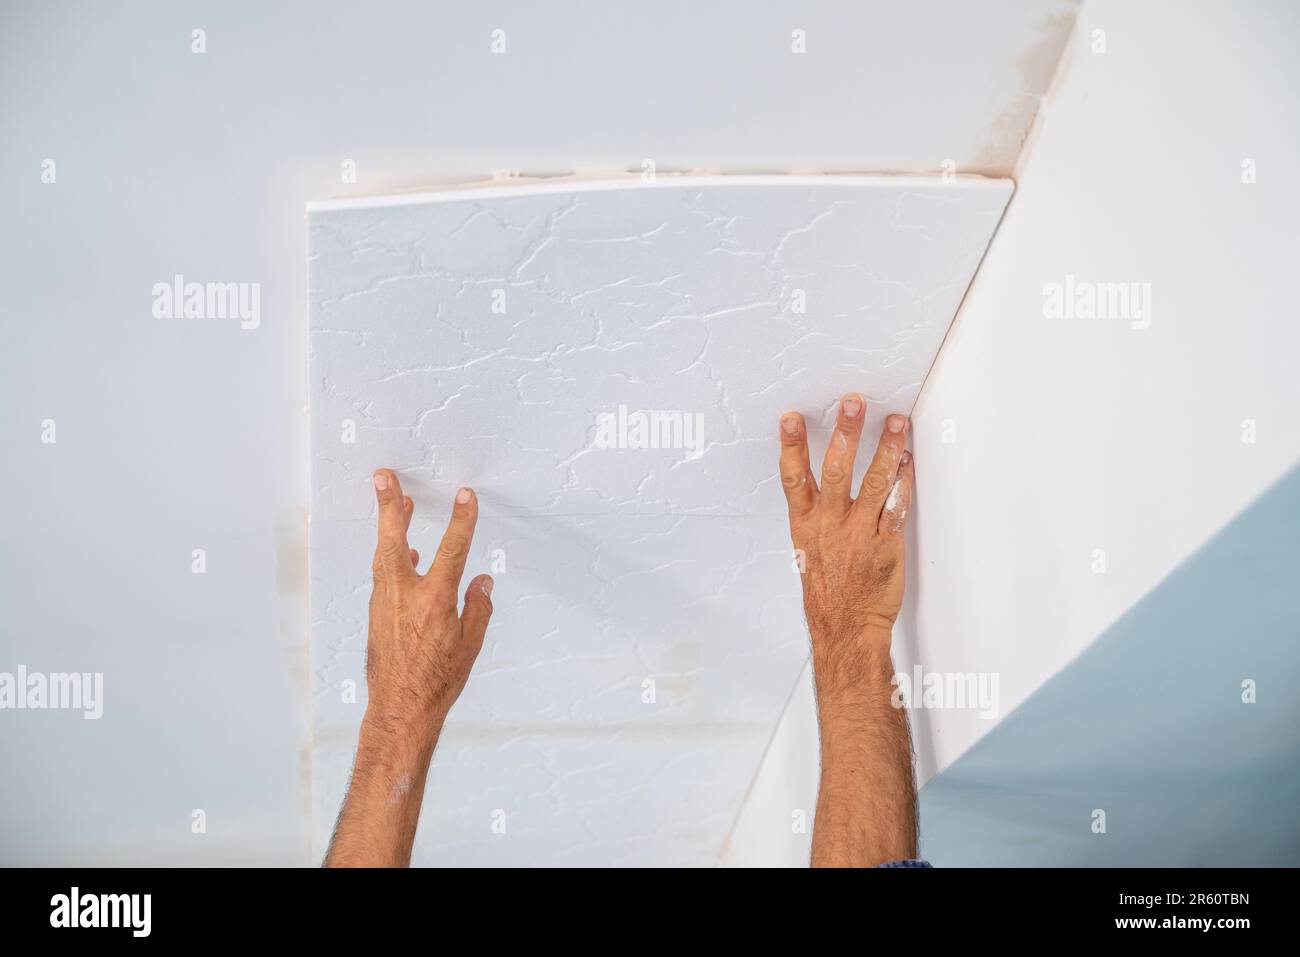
[478, 610]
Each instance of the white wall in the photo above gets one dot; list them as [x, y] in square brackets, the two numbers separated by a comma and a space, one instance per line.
[1075, 435]
[1178, 724]
[176, 436]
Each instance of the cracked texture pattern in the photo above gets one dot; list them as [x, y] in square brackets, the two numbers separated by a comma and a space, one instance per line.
[475, 338]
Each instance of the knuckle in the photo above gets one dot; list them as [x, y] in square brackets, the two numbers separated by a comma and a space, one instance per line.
[875, 484]
[453, 546]
[833, 473]
[393, 550]
[792, 480]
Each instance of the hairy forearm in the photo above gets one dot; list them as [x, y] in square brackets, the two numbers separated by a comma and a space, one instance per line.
[376, 827]
[866, 805]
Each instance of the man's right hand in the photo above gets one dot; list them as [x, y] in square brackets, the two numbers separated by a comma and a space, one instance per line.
[852, 561]
[851, 549]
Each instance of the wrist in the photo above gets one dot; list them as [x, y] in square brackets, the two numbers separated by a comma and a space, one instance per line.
[853, 676]
[397, 737]
[850, 663]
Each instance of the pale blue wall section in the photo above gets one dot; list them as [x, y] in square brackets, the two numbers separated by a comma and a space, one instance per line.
[1149, 725]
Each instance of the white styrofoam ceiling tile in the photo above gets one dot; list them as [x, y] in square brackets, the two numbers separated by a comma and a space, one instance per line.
[477, 337]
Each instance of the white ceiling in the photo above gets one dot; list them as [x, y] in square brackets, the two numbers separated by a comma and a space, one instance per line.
[620, 565]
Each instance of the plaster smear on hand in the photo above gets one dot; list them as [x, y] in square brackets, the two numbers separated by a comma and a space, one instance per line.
[893, 501]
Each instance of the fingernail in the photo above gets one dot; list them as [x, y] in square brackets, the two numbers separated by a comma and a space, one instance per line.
[381, 481]
[463, 496]
[790, 425]
[487, 586]
[852, 406]
[905, 457]
[896, 423]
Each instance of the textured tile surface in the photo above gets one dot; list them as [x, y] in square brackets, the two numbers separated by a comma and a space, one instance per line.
[491, 338]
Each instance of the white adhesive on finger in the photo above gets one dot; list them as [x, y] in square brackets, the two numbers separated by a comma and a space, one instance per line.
[894, 505]
[895, 496]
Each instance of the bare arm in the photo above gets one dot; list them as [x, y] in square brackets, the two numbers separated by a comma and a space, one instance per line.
[852, 554]
[418, 657]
